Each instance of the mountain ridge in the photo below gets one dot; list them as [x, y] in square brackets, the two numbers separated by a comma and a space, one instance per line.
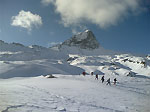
[83, 43]
[83, 40]
[17, 60]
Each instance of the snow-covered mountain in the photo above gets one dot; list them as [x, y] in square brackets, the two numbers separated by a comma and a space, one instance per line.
[83, 43]
[19, 52]
[70, 91]
[82, 52]
[84, 40]
[12, 47]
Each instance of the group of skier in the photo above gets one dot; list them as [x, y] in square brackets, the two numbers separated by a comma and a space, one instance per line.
[102, 79]
[108, 80]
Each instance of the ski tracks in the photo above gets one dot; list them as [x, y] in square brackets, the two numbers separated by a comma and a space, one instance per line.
[36, 99]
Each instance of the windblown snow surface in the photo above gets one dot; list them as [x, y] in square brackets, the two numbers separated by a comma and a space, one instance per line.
[72, 92]
[24, 87]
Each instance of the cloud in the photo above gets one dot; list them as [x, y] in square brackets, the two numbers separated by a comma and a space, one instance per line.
[47, 2]
[53, 44]
[78, 28]
[26, 20]
[103, 13]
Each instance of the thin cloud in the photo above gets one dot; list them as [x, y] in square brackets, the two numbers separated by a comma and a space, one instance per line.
[103, 13]
[27, 20]
[50, 44]
[46, 2]
[78, 28]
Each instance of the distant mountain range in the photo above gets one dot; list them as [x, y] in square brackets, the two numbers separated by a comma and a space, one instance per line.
[82, 52]
[84, 43]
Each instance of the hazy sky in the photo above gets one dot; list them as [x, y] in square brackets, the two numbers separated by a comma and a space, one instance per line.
[121, 25]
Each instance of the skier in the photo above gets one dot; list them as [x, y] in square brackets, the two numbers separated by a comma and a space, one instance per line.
[115, 80]
[96, 76]
[92, 73]
[108, 82]
[83, 73]
[102, 79]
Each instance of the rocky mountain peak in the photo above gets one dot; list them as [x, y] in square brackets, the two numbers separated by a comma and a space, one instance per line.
[84, 40]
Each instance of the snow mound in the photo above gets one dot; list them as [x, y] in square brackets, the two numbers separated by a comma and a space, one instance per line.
[36, 68]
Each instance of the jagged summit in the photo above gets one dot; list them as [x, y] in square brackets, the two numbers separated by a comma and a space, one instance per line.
[84, 40]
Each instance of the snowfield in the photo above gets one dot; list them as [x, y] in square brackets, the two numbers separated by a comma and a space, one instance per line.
[74, 93]
[24, 87]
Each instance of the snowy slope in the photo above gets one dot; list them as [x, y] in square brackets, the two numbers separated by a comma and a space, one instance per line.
[74, 94]
[9, 69]
[19, 52]
[82, 52]
[12, 47]
[113, 64]
[71, 92]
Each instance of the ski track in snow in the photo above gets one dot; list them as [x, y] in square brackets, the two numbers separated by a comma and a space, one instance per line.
[55, 100]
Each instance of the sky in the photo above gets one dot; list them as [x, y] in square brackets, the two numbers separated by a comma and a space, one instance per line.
[119, 25]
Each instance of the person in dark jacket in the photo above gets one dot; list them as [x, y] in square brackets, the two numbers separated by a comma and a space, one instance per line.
[83, 73]
[115, 80]
[102, 79]
[108, 82]
[96, 77]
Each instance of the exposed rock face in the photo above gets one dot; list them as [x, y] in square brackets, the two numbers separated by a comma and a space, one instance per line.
[84, 40]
